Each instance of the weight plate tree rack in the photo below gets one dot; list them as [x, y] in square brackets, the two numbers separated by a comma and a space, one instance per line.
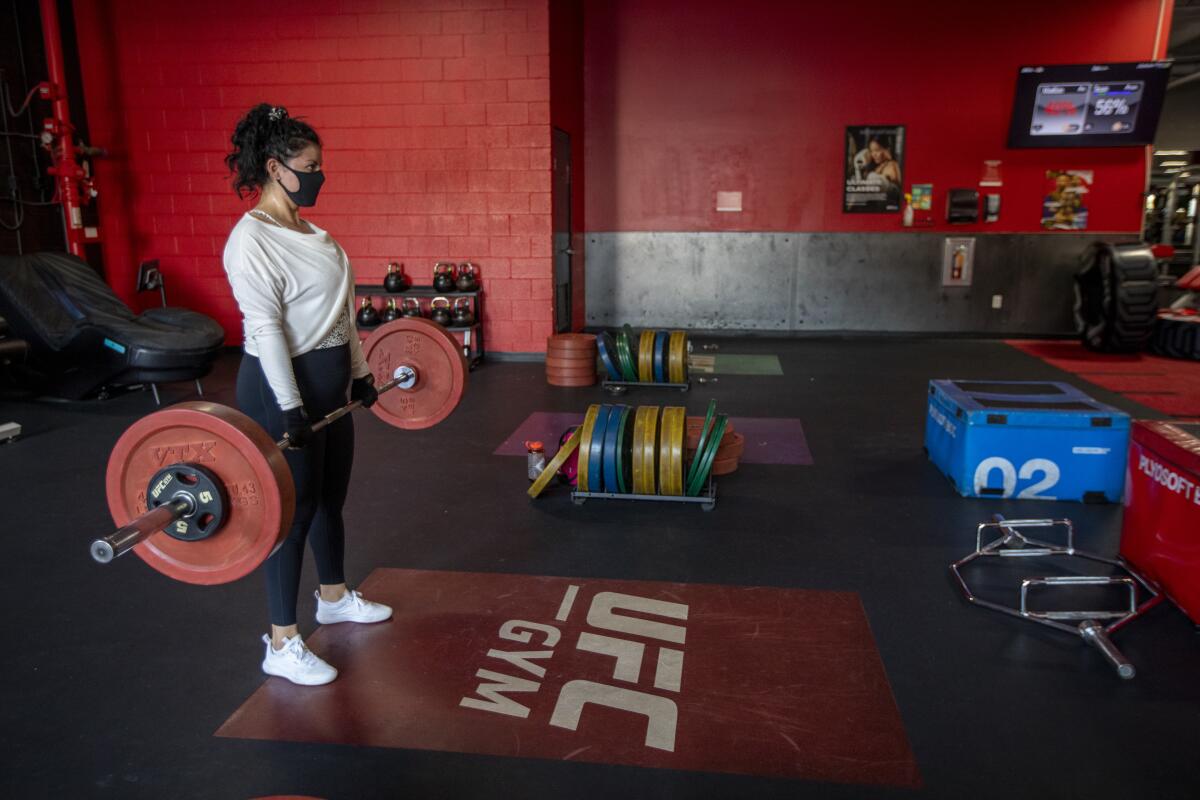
[652, 358]
[639, 454]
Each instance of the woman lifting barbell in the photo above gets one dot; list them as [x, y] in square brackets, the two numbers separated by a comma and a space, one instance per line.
[295, 289]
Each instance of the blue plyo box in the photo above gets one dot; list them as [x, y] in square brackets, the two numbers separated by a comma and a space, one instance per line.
[1026, 439]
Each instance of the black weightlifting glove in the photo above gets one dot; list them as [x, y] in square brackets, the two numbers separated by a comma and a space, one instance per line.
[363, 390]
[295, 425]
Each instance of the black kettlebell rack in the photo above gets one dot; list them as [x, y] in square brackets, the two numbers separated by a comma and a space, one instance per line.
[620, 387]
[472, 338]
[707, 500]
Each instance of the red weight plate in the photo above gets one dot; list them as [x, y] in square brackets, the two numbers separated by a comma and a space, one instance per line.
[569, 380]
[572, 349]
[734, 446]
[574, 372]
[724, 467]
[572, 363]
[262, 497]
[571, 341]
[438, 360]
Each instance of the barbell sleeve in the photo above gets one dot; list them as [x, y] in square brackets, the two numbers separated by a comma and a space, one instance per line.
[127, 537]
[1094, 634]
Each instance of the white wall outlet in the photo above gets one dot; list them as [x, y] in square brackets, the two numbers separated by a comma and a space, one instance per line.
[997, 301]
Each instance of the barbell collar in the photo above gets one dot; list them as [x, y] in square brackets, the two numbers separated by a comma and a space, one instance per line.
[124, 539]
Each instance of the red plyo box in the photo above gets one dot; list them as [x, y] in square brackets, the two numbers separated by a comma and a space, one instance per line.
[1160, 534]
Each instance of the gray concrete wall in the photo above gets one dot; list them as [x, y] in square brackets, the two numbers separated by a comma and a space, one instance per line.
[830, 282]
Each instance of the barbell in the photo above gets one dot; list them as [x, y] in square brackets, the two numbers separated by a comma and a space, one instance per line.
[204, 495]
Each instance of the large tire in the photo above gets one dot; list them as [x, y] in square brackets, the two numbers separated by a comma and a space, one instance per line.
[1116, 297]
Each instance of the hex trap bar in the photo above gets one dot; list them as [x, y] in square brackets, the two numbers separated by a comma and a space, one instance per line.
[1094, 627]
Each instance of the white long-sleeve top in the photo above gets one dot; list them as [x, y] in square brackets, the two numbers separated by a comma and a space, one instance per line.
[291, 288]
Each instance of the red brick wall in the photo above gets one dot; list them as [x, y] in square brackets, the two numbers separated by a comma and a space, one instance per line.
[435, 116]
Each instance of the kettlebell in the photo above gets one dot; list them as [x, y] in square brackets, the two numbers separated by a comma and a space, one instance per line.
[440, 314]
[443, 277]
[390, 312]
[367, 316]
[466, 281]
[411, 307]
[464, 317]
[395, 281]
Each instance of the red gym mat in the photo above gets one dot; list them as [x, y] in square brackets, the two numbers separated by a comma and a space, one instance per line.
[714, 678]
[1169, 385]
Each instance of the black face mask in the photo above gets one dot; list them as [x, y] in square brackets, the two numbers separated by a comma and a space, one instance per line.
[310, 186]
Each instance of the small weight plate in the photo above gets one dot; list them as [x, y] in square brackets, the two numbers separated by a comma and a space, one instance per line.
[661, 340]
[572, 342]
[556, 361]
[606, 346]
[724, 466]
[595, 451]
[646, 357]
[625, 358]
[705, 432]
[705, 458]
[612, 447]
[438, 360]
[585, 446]
[571, 380]
[241, 455]
[202, 488]
[577, 368]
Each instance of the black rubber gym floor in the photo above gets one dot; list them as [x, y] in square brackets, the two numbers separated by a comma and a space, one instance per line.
[115, 678]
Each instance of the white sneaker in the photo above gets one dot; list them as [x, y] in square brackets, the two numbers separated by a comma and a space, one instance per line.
[297, 663]
[351, 608]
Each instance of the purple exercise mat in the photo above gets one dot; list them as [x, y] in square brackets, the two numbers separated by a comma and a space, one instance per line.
[769, 440]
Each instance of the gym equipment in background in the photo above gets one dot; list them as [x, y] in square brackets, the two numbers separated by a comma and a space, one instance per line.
[203, 494]
[1092, 625]
[83, 341]
[1162, 509]
[628, 453]
[650, 358]
[1176, 331]
[1026, 439]
[571, 359]
[1116, 297]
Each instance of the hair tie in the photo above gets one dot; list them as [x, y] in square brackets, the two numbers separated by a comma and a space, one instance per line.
[276, 113]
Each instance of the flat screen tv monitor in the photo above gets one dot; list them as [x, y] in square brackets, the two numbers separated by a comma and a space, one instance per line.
[1088, 105]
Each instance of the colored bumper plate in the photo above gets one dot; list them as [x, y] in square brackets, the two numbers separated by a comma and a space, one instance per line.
[583, 478]
[438, 360]
[607, 347]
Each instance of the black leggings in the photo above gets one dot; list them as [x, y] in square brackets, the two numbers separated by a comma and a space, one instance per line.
[321, 471]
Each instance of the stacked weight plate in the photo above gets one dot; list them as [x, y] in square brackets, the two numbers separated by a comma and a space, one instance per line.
[646, 357]
[729, 452]
[1177, 334]
[642, 451]
[571, 359]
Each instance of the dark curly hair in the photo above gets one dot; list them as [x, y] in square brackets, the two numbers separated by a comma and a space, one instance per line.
[265, 132]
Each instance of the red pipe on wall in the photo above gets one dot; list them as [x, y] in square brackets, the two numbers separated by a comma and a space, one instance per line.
[74, 184]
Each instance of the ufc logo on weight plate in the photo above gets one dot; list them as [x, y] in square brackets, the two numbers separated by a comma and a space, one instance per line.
[606, 615]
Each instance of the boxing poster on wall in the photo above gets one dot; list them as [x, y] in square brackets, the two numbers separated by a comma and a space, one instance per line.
[1065, 206]
[874, 169]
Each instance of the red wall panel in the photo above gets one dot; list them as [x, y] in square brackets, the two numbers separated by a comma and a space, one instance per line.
[685, 99]
[434, 115]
